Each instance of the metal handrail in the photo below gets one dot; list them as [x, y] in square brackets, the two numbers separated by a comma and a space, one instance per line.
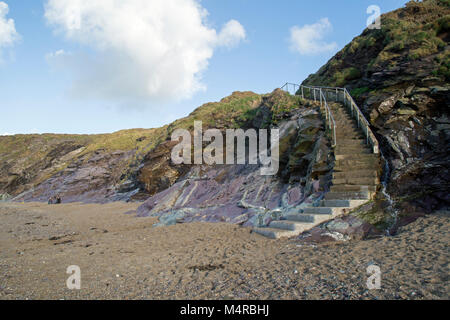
[318, 95]
[346, 99]
[323, 100]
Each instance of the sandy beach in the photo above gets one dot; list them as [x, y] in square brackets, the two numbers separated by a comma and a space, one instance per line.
[124, 257]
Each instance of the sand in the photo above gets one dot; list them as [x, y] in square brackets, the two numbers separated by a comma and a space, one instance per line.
[124, 257]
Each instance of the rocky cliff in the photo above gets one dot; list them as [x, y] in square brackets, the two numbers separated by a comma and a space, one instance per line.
[130, 164]
[399, 76]
[239, 194]
[136, 165]
[89, 168]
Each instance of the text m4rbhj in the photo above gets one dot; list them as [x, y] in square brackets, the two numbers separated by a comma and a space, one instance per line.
[238, 309]
[213, 153]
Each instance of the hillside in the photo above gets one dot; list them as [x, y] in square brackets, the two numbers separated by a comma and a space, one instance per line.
[129, 164]
[399, 76]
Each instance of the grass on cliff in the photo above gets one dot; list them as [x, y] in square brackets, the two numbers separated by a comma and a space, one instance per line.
[223, 114]
[418, 30]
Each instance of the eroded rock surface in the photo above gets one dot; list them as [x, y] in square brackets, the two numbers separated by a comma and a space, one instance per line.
[400, 81]
[239, 194]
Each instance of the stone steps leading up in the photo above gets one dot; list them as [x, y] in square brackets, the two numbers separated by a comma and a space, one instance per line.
[353, 195]
[355, 174]
[343, 203]
[355, 160]
[292, 225]
[350, 167]
[342, 151]
[351, 142]
[274, 233]
[355, 180]
[353, 188]
[309, 218]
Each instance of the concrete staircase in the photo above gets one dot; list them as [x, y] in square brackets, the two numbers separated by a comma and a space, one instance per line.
[356, 178]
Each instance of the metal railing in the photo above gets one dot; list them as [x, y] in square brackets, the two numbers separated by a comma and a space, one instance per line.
[325, 94]
[316, 94]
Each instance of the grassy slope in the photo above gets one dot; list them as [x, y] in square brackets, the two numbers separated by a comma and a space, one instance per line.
[26, 154]
[407, 34]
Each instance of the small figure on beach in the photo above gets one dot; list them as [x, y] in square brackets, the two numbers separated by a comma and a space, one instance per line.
[55, 200]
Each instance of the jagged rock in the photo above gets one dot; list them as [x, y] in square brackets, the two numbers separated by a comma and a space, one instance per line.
[405, 99]
[238, 194]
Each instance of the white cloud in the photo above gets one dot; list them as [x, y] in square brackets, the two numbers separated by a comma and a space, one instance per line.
[8, 33]
[6, 134]
[231, 34]
[137, 49]
[308, 40]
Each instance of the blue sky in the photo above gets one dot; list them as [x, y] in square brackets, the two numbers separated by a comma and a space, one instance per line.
[37, 84]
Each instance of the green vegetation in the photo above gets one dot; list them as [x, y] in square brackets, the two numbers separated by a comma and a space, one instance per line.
[413, 33]
[224, 114]
[419, 36]
[374, 213]
[286, 105]
[341, 77]
[443, 68]
[357, 92]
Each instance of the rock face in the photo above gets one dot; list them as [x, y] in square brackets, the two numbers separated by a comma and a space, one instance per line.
[136, 164]
[92, 178]
[399, 76]
[238, 194]
[87, 168]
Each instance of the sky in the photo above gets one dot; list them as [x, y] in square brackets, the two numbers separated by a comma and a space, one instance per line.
[98, 66]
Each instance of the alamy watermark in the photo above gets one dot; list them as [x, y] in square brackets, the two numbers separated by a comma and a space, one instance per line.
[374, 21]
[374, 280]
[74, 281]
[213, 153]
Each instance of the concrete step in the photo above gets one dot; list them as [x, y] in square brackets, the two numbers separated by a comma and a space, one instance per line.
[356, 181]
[355, 174]
[352, 150]
[343, 203]
[358, 156]
[351, 142]
[346, 121]
[353, 188]
[274, 233]
[357, 159]
[324, 210]
[312, 219]
[346, 135]
[290, 225]
[348, 195]
[352, 145]
[356, 167]
[346, 129]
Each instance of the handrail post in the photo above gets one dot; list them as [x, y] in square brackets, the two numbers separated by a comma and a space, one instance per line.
[334, 133]
[367, 133]
[303, 97]
[320, 94]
